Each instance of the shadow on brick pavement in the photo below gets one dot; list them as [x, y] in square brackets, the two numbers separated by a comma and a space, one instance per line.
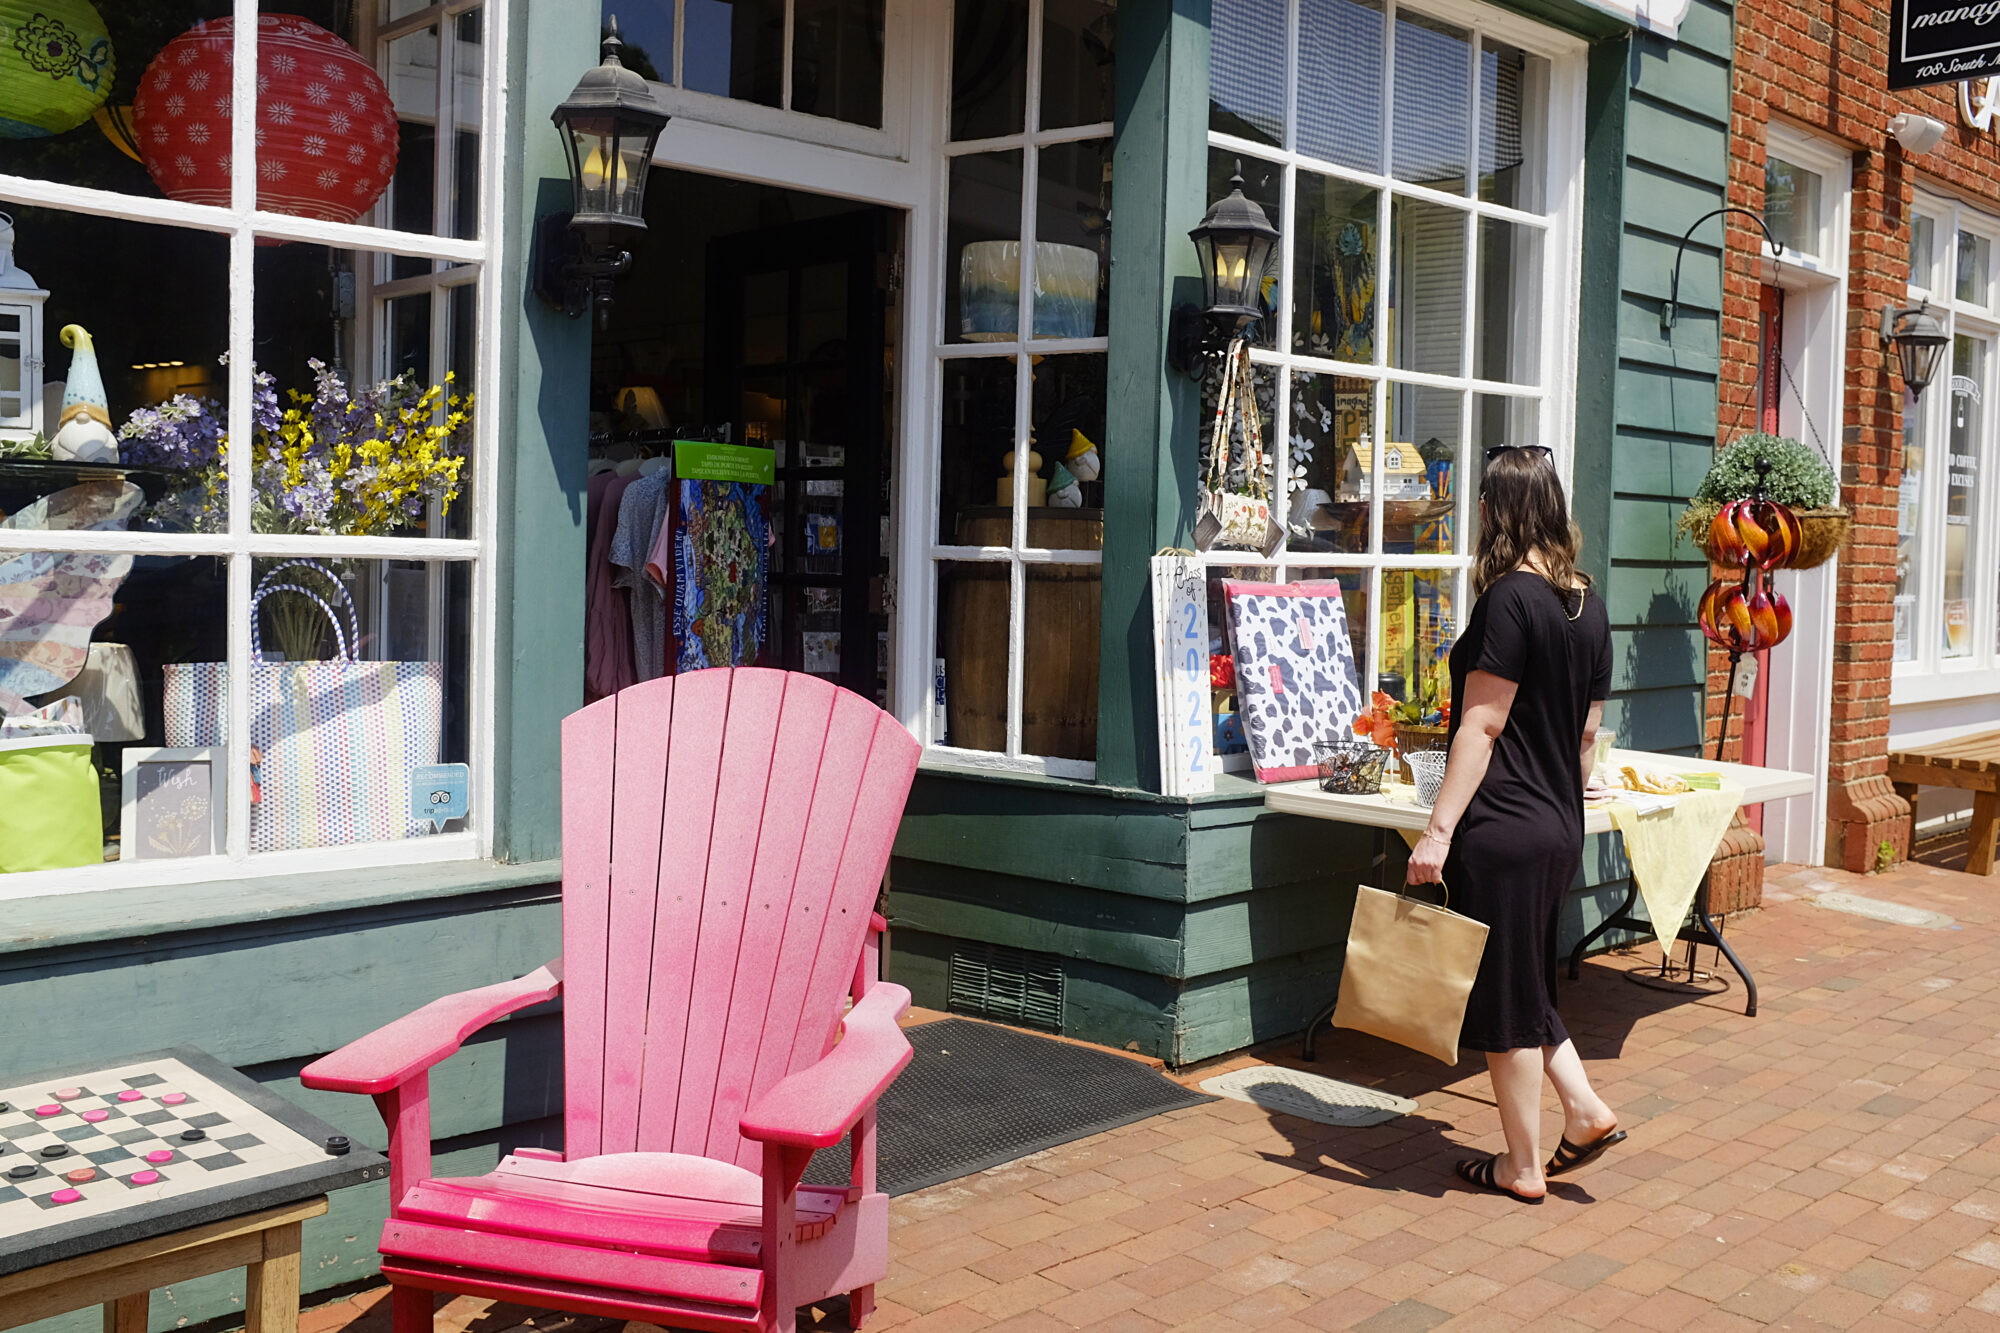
[1831, 1163]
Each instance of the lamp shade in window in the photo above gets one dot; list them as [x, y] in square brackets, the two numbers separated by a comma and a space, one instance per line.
[326, 127]
[55, 66]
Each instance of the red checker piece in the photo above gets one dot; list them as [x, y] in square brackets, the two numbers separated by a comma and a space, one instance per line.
[68, 1094]
[173, 1098]
[49, 1110]
[160, 1155]
[145, 1177]
[93, 1116]
[80, 1175]
[130, 1095]
[66, 1196]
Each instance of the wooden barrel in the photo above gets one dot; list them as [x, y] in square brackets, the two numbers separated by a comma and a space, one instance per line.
[1058, 637]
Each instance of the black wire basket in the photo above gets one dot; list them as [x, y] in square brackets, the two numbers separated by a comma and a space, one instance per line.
[1350, 768]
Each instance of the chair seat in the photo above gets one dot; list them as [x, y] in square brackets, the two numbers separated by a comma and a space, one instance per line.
[666, 1206]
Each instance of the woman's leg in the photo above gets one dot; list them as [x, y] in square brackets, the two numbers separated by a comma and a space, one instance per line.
[1517, 1090]
[1586, 1117]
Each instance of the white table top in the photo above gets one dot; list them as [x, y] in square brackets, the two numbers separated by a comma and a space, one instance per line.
[1758, 785]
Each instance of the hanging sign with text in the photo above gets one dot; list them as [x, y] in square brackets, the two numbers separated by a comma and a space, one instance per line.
[1942, 41]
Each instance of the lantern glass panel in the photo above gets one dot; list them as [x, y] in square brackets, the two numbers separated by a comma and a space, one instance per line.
[1262, 182]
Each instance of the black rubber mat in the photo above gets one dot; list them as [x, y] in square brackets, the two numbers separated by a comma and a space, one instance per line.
[977, 1095]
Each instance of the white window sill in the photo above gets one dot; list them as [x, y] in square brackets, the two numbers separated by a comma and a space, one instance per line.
[1929, 687]
[156, 909]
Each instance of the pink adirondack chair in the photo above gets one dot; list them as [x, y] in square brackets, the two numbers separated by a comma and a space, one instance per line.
[724, 835]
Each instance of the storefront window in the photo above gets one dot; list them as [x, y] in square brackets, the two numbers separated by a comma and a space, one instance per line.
[815, 57]
[1792, 205]
[280, 436]
[1422, 242]
[1947, 589]
[1020, 518]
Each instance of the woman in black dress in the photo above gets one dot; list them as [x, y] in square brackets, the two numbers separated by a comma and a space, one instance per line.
[1529, 676]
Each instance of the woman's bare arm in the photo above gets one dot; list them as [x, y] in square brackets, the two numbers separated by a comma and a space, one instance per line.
[1588, 755]
[1482, 717]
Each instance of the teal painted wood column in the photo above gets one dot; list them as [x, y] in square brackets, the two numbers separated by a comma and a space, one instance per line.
[545, 377]
[1607, 84]
[1159, 175]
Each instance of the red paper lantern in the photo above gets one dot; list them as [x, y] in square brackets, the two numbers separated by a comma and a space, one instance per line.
[326, 127]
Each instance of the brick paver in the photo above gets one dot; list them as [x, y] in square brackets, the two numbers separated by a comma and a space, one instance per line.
[1833, 1163]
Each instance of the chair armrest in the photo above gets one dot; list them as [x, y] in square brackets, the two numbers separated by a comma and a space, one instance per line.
[391, 1055]
[815, 1107]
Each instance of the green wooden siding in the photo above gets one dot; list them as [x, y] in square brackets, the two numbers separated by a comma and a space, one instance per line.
[1159, 159]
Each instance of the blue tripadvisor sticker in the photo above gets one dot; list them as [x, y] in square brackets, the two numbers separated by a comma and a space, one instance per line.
[438, 793]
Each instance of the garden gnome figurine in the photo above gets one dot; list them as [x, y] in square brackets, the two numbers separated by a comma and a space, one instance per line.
[83, 434]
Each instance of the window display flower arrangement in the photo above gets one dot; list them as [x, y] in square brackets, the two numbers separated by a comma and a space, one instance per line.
[1799, 477]
[335, 462]
[1421, 722]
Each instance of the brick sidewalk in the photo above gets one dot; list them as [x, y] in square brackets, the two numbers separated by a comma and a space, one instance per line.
[1832, 1163]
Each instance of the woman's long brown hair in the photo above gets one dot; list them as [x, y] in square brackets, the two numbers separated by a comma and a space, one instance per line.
[1525, 515]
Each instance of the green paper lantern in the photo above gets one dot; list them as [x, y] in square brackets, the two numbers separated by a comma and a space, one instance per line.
[55, 66]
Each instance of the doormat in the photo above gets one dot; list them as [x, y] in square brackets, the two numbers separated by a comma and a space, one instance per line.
[977, 1095]
[1309, 1096]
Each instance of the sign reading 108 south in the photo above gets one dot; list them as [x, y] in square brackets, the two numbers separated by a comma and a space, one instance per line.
[1942, 41]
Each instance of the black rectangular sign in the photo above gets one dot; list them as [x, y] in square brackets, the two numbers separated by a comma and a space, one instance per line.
[1943, 41]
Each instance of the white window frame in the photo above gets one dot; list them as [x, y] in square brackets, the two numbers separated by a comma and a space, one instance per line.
[1931, 677]
[242, 222]
[1561, 226]
[1017, 554]
[892, 140]
[1814, 350]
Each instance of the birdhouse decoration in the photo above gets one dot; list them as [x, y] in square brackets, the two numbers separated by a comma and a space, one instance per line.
[1403, 473]
[21, 303]
[55, 66]
[326, 127]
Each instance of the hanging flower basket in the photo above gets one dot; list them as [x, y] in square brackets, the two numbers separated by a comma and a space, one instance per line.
[1825, 532]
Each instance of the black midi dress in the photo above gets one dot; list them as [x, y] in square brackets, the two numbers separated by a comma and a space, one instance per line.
[1518, 846]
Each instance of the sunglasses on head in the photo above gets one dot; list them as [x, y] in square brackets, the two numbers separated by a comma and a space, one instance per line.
[1500, 449]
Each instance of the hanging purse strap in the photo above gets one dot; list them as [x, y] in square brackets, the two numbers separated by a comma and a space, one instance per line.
[1218, 438]
[1253, 425]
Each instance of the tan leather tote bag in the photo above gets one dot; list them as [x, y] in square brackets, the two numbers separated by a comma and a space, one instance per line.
[1409, 970]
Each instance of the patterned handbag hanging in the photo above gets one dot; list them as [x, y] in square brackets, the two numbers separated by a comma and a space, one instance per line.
[1237, 520]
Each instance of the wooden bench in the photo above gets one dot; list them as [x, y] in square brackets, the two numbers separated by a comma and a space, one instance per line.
[1969, 763]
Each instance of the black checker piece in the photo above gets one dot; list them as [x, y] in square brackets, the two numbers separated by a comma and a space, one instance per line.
[56, 1150]
[218, 1162]
[144, 1081]
[152, 1117]
[193, 1135]
[25, 1171]
[207, 1120]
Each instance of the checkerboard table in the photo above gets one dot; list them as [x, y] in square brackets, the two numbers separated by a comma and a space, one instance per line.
[153, 1169]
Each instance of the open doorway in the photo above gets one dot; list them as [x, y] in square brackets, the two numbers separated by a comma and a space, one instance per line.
[763, 317]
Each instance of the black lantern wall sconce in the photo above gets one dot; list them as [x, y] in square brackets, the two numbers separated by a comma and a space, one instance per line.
[1234, 243]
[608, 126]
[1919, 340]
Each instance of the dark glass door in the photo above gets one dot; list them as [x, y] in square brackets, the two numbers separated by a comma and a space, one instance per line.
[797, 327]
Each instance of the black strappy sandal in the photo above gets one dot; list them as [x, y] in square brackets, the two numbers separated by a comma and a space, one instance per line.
[1568, 1157]
[1479, 1171]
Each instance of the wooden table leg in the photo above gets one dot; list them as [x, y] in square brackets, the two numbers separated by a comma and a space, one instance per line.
[1985, 823]
[127, 1314]
[271, 1289]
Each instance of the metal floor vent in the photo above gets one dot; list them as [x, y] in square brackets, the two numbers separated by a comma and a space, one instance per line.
[1007, 986]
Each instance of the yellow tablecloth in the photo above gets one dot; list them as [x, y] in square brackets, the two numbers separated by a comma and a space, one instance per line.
[1669, 852]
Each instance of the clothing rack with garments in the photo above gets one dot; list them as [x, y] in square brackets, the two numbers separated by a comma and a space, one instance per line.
[657, 548]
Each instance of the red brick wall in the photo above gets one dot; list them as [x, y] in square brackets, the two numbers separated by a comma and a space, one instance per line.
[1820, 67]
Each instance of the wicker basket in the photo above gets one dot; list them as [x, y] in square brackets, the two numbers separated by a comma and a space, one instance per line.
[1350, 768]
[1416, 737]
[1823, 533]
